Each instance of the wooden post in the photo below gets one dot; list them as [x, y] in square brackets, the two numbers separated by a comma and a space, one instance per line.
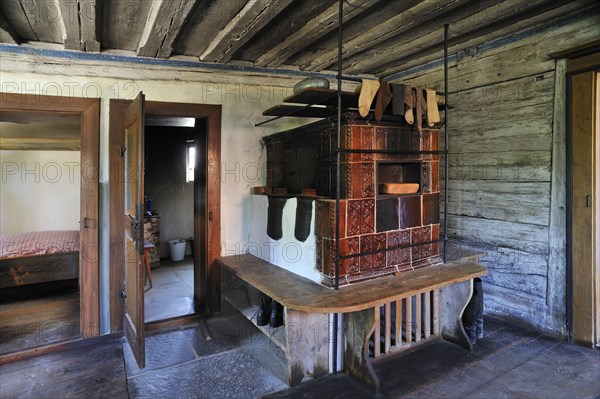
[307, 339]
[454, 300]
[358, 327]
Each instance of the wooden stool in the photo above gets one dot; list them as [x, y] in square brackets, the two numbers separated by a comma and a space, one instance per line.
[147, 247]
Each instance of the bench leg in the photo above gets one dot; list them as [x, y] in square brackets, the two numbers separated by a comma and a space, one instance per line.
[307, 336]
[358, 327]
[454, 300]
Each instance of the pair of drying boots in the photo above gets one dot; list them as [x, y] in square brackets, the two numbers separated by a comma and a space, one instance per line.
[269, 312]
[473, 315]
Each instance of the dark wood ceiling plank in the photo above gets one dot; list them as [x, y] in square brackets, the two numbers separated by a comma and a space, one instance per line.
[15, 15]
[165, 21]
[251, 18]
[394, 26]
[206, 19]
[317, 27]
[123, 23]
[352, 29]
[90, 16]
[8, 34]
[485, 35]
[45, 19]
[69, 10]
[463, 19]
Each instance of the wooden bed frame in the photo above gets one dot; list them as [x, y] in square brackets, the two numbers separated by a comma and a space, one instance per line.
[16, 272]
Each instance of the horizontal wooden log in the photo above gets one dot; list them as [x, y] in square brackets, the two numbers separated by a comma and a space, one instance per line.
[492, 233]
[493, 201]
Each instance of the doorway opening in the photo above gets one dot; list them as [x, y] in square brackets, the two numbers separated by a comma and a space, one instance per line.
[48, 221]
[173, 148]
[206, 207]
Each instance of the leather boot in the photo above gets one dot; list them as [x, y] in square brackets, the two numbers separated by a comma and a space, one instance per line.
[276, 319]
[263, 313]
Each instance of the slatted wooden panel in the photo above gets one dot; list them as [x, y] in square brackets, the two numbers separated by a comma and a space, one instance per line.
[405, 323]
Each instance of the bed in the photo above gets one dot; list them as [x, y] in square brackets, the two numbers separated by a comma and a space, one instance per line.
[38, 257]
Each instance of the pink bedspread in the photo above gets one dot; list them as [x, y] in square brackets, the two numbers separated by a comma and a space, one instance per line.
[38, 243]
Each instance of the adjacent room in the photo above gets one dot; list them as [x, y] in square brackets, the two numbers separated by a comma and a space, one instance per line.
[39, 225]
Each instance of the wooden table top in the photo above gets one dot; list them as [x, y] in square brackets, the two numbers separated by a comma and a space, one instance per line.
[299, 293]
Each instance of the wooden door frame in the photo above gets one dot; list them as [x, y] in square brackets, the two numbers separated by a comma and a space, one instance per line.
[207, 282]
[88, 109]
[579, 328]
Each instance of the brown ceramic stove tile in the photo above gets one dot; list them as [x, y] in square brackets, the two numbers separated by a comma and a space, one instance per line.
[397, 239]
[409, 212]
[431, 208]
[435, 176]
[435, 235]
[319, 253]
[348, 246]
[421, 235]
[370, 243]
[325, 218]
[387, 214]
[358, 180]
[360, 217]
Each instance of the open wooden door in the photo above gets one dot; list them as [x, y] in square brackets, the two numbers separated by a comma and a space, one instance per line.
[133, 229]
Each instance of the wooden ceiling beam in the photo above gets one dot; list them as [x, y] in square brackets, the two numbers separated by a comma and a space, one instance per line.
[44, 19]
[251, 19]
[207, 18]
[165, 20]
[485, 35]
[381, 31]
[69, 10]
[316, 28]
[90, 15]
[461, 21]
[7, 33]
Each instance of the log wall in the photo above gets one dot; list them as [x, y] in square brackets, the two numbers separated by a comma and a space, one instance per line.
[507, 150]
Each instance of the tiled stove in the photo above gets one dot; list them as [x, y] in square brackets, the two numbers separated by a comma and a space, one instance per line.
[369, 220]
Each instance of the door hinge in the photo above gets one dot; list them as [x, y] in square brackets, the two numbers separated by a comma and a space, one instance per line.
[122, 150]
[588, 201]
[135, 230]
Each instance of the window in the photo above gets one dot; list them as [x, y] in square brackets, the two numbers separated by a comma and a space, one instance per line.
[190, 161]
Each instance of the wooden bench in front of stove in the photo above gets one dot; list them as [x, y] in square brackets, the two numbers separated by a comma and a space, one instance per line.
[381, 317]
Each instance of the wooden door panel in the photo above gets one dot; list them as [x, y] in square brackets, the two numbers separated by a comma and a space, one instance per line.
[132, 224]
[582, 127]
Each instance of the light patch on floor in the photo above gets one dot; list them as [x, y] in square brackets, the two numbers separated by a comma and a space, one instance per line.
[172, 292]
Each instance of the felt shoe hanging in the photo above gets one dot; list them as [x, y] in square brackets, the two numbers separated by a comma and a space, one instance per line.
[384, 96]
[433, 113]
[367, 94]
[410, 102]
[274, 217]
[303, 218]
